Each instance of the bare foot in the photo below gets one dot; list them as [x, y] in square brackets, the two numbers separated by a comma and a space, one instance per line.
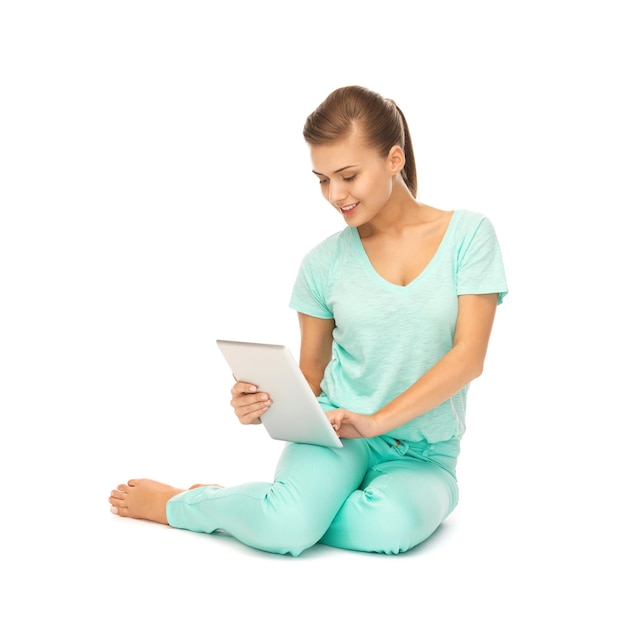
[142, 499]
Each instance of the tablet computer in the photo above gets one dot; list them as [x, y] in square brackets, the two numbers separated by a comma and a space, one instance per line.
[295, 414]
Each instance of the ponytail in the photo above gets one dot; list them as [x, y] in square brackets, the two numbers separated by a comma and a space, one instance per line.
[409, 173]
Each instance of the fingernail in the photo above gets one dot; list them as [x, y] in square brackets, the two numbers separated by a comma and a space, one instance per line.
[113, 509]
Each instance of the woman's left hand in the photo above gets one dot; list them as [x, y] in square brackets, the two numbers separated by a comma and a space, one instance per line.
[351, 424]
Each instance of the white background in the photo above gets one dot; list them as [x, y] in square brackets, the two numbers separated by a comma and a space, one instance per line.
[156, 194]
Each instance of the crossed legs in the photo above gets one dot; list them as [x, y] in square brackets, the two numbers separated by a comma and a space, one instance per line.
[363, 497]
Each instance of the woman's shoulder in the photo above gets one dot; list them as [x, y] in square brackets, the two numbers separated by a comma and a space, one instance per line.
[319, 262]
[468, 218]
[329, 246]
[466, 223]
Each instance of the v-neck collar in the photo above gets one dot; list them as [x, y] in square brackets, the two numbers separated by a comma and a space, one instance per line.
[364, 258]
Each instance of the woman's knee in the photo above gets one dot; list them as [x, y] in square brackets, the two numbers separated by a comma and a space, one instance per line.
[399, 524]
[289, 534]
[383, 519]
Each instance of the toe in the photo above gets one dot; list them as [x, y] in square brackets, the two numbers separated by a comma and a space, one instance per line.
[119, 511]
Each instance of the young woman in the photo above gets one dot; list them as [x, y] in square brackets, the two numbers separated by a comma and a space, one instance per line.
[395, 313]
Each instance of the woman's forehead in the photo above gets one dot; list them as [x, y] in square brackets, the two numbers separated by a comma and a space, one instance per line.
[329, 158]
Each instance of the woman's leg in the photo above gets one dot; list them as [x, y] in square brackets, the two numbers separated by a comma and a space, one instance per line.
[310, 485]
[400, 503]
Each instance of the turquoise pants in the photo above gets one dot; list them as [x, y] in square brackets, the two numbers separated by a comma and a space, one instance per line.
[378, 494]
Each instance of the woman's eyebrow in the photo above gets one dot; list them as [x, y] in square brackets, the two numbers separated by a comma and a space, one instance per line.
[335, 172]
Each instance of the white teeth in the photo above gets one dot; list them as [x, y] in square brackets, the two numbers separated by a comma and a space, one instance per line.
[347, 208]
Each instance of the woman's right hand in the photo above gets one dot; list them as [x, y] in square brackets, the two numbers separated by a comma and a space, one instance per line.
[249, 403]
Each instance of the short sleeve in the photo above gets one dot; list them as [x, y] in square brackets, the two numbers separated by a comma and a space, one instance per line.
[480, 266]
[309, 291]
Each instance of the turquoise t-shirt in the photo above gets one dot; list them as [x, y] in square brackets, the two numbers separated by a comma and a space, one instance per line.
[386, 335]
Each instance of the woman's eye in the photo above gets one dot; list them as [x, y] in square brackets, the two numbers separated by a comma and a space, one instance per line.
[323, 181]
[350, 178]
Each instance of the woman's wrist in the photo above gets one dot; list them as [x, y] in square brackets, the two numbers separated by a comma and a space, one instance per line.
[378, 427]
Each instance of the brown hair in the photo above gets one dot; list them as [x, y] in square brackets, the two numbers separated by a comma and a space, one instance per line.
[381, 121]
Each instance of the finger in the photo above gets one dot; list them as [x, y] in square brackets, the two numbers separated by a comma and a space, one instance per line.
[254, 401]
[250, 411]
[243, 388]
[253, 417]
[335, 417]
[335, 423]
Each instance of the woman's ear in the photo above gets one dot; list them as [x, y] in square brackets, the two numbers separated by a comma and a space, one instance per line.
[396, 159]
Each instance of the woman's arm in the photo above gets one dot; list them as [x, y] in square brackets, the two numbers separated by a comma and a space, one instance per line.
[316, 339]
[457, 368]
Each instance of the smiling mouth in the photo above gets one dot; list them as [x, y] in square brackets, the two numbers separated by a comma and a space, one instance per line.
[348, 208]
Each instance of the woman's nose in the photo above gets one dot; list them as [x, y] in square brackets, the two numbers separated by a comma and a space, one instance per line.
[336, 192]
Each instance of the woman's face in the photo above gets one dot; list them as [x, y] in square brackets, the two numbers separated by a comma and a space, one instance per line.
[354, 178]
